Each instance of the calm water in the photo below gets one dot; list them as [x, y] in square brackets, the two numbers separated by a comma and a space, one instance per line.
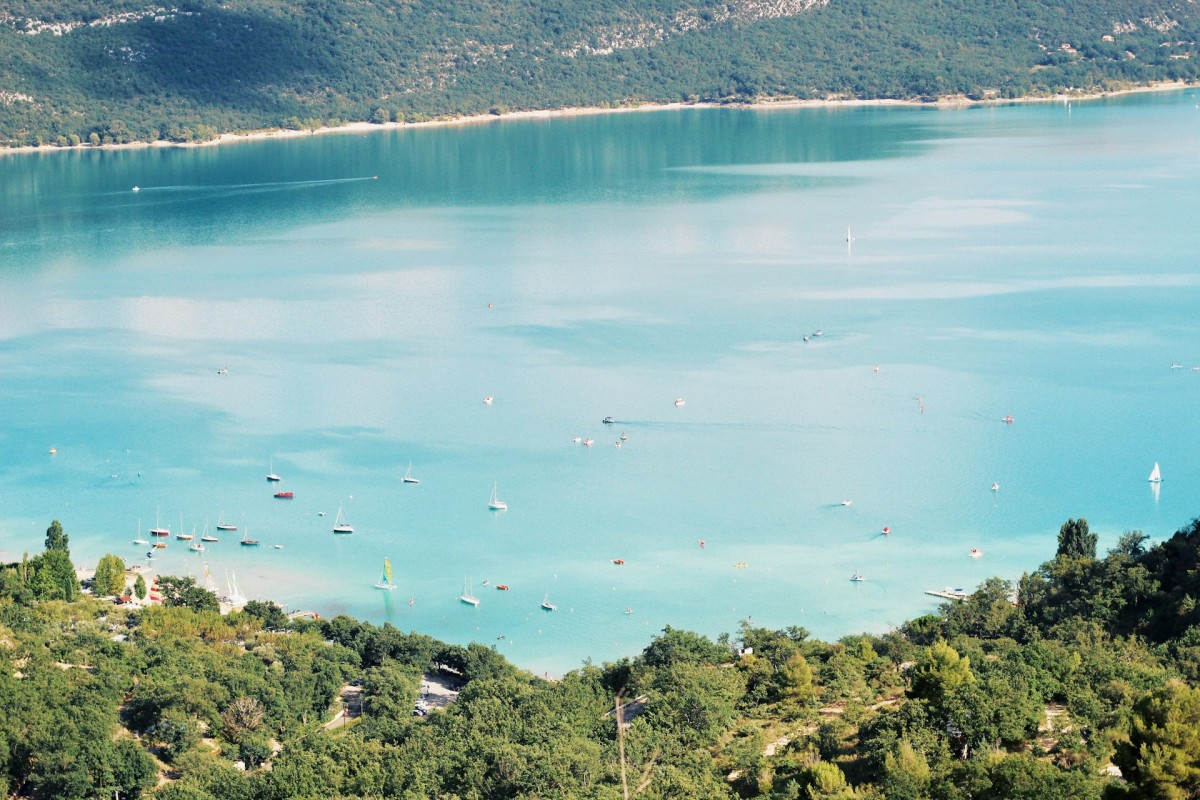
[1035, 261]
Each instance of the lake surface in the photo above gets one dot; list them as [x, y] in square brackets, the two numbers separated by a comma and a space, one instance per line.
[366, 293]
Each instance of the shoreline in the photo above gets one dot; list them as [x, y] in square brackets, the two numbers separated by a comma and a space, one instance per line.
[765, 104]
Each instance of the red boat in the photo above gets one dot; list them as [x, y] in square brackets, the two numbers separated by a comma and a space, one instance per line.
[618, 561]
[284, 495]
[502, 587]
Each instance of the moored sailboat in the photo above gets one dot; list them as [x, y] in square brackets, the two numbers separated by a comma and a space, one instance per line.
[466, 595]
[1155, 474]
[340, 525]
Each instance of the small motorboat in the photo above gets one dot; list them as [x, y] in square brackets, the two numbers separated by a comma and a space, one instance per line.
[847, 502]
[587, 442]
[976, 552]
[886, 530]
[502, 587]
[857, 577]
[740, 565]
[285, 495]
[618, 561]
[487, 401]
[278, 547]
[1008, 419]
[577, 440]
[995, 487]
[679, 401]
[624, 437]
[608, 420]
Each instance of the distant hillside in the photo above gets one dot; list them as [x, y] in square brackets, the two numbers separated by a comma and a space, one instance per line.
[71, 70]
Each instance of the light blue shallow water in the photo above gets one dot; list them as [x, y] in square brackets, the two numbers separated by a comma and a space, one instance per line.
[1036, 261]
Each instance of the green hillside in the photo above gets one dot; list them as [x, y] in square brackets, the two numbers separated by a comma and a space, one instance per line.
[1077, 683]
[127, 71]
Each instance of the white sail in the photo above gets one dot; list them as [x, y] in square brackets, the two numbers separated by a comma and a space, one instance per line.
[1155, 474]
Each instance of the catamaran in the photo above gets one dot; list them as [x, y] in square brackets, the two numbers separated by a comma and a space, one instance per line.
[340, 525]
[496, 504]
[385, 580]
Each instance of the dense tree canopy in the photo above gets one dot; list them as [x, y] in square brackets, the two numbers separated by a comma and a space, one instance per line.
[73, 72]
[989, 698]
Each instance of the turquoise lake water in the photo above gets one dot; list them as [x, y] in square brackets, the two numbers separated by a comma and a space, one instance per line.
[1038, 261]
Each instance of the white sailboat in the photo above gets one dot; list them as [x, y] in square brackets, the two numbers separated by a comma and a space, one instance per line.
[1155, 474]
[385, 580]
[466, 595]
[408, 476]
[546, 604]
[340, 525]
[222, 525]
[496, 504]
[271, 476]
[137, 540]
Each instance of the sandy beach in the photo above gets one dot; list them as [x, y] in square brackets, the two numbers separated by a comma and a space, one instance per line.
[764, 104]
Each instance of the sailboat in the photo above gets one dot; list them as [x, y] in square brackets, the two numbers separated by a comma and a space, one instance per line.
[271, 476]
[466, 595]
[546, 604]
[158, 530]
[496, 504]
[197, 547]
[385, 580]
[246, 541]
[857, 577]
[408, 476]
[139, 541]
[849, 236]
[340, 525]
[1155, 474]
[222, 525]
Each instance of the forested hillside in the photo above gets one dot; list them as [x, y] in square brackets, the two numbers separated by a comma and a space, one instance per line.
[73, 71]
[1078, 682]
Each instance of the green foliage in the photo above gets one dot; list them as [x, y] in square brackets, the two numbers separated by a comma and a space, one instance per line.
[683, 647]
[139, 587]
[56, 539]
[109, 580]
[51, 576]
[1075, 540]
[1161, 757]
[177, 591]
[939, 671]
[188, 74]
[271, 614]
